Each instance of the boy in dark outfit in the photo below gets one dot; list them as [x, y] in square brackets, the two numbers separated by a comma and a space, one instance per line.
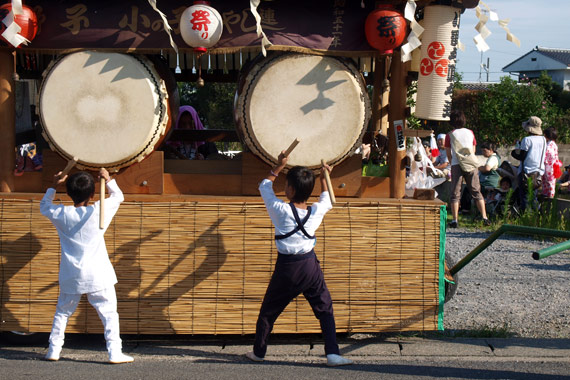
[297, 269]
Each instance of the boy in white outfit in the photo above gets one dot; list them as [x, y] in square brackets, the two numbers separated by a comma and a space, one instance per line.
[85, 267]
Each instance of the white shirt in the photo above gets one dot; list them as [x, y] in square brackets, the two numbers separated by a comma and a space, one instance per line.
[284, 221]
[535, 147]
[85, 266]
[492, 161]
[465, 137]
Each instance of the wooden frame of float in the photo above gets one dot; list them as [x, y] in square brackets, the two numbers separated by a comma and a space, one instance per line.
[382, 254]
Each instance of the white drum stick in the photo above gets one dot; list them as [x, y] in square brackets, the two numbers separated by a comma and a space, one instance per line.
[329, 184]
[70, 164]
[291, 147]
[102, 203]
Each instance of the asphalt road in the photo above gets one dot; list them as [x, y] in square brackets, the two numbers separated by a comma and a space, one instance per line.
[291, 357]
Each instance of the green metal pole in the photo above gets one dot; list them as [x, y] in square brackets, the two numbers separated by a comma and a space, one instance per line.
[477, 250]
[524, 230]
[545, 252]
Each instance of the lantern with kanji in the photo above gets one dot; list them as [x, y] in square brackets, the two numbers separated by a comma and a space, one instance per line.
[385, 29]
[28, 21]
[437, 62]
[201, 26]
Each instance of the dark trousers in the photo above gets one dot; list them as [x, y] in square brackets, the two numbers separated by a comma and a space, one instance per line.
[293, 275]
[536, 183]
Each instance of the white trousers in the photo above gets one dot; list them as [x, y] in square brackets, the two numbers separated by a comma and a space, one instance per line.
[104, 301]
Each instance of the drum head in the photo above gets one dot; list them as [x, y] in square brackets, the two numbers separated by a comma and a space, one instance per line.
[320, 100]
[107, 109]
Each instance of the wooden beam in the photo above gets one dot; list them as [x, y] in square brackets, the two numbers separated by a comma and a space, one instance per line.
[421, 133]
[204, 135]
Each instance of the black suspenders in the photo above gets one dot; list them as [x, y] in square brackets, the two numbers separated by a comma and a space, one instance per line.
[300, 224]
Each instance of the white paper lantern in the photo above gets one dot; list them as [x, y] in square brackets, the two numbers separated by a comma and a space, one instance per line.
[437, 62]
[201, 26]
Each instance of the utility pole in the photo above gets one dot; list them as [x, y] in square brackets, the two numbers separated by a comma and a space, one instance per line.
[480, 67]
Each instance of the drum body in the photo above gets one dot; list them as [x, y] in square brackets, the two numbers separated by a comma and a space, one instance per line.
[107, 109]
[320, 100]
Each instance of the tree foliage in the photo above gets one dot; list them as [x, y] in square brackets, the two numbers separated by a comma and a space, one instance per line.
[213, 102]
[497, 114]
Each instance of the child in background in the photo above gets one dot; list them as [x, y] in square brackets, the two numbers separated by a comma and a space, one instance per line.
[85, 267]
[297, 269]
[499, 193]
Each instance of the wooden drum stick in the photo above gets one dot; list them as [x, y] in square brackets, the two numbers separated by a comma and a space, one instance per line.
[329, 184]
[291, 147]
[70, 164]
[102, 203]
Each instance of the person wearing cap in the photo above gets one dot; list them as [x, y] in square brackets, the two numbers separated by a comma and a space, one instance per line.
[531, 153]
[441, 161]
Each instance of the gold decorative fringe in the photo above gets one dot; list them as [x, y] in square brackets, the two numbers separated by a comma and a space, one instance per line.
[203, 267]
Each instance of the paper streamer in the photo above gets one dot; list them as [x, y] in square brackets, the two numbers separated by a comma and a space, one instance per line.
[12, 32]
[413, 41]
[480, 43]
[484, 32]
[167, 27]
[253, 4]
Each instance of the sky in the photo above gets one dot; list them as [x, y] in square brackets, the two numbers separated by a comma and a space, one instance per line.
[544, 23]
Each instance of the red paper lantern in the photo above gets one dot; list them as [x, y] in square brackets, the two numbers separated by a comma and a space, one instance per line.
[385, 29]
[27, 21]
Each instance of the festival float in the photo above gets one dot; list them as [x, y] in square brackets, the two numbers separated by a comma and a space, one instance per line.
[192, 244]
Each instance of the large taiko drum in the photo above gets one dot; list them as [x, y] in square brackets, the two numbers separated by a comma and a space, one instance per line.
[107, 109]
[320, 100]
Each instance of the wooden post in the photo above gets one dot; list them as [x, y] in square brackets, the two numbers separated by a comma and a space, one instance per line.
[377, 93]
[398, 94]
[7, 122]
[384, 111]
[380, 95]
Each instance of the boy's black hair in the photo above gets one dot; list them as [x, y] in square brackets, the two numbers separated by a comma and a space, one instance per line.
[80, 186]
[302, 180]
[551, 133]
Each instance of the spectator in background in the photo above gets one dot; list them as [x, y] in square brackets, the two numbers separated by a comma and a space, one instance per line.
[530, 152]
[189, 150]
[550, 159]
[488, 175]
[460, 147]
[427, 148]
[441, 162]
[564, 180]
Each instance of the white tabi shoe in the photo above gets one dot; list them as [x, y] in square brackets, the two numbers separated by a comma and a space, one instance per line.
[254, 358]
[120, 358]
[53, 353]
[334, 360]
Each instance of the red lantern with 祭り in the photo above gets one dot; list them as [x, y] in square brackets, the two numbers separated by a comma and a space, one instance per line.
[28, 21]
[385, 29]
[201, 26]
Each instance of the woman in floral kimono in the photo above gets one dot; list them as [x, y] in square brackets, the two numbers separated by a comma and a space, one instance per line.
[551, 158]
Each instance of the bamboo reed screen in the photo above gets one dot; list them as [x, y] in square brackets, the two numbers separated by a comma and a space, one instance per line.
[203, 267]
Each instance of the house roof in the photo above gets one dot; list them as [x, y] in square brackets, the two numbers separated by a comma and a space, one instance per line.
[559, 55]
[477, 86]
